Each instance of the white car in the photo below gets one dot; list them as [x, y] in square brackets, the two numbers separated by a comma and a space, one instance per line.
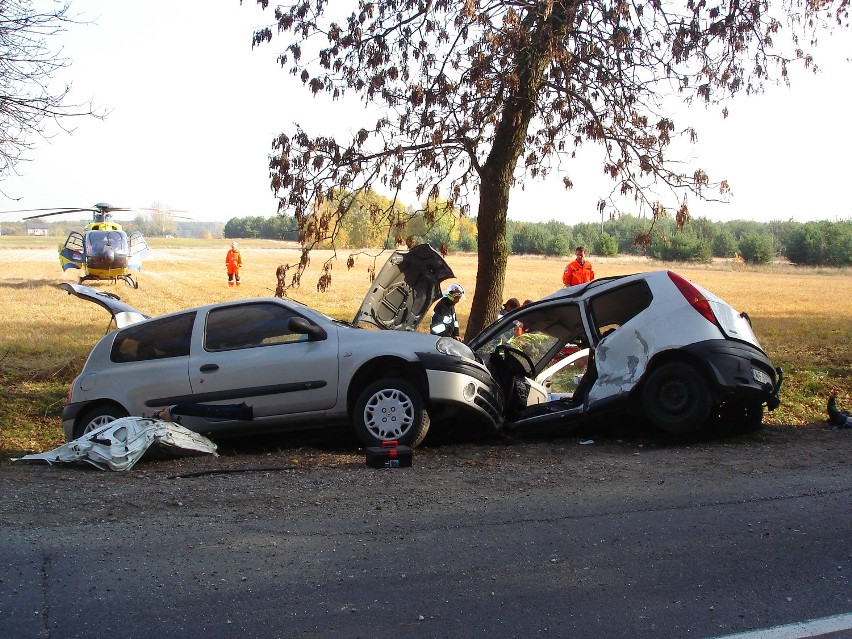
[651, 345]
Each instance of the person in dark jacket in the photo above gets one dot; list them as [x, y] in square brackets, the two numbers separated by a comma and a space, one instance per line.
[444, 320]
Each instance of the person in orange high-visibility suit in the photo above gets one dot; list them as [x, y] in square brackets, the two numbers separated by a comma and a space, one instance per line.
[579, 271]
[233, 262]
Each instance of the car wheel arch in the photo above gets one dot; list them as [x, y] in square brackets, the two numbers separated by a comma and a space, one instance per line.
[386, 366]
[104, 406]
[676, 356]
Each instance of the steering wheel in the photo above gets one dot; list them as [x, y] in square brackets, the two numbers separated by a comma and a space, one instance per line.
[502, 351]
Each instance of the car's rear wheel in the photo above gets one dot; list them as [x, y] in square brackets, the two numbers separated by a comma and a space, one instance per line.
[97, 417]
[391, 409]
[676, 398]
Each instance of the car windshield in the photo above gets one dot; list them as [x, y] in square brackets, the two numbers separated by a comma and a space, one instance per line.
[541, 334]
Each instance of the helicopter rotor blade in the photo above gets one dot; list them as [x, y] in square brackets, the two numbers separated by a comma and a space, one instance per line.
[56, 211]
[170, 213]
[62, 212]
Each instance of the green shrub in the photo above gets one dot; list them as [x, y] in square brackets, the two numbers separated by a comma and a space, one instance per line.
[756, 248]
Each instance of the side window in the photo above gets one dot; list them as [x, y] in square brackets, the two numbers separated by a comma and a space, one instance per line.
[249, 325]
[155, 339]
[612, 309]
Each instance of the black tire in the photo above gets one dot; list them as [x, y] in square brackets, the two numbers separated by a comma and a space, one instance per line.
[97, 417]
[390, 409]
[737, 418]
[676, 398]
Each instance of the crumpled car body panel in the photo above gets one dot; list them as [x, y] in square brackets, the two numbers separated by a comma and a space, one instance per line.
[121, 443]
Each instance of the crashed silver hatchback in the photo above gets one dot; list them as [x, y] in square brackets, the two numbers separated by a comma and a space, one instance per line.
[292, 365]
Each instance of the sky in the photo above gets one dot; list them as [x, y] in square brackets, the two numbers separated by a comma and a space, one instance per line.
[192, 111]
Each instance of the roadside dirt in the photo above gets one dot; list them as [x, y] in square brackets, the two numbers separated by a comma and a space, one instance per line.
[251, 476]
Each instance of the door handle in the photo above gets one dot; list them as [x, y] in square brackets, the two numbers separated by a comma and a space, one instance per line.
[209, 368]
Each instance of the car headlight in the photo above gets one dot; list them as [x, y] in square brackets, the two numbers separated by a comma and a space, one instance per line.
[450, 346]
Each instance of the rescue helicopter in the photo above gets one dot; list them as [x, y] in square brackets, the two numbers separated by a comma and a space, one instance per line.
[103, 251]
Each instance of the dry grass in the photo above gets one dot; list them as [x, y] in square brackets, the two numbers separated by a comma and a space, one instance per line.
[803, 317]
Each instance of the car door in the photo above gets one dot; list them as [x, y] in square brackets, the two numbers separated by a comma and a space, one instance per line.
[248, 352]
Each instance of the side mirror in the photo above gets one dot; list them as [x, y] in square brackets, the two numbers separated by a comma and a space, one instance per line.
[303, 327]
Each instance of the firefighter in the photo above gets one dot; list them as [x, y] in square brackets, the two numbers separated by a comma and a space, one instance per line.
[579, 271]
[444, 320]
[233, 262]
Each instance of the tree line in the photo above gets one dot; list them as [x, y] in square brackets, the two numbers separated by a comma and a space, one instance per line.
[821, 243]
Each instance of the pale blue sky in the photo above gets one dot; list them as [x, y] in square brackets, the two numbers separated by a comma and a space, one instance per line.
[193, 111]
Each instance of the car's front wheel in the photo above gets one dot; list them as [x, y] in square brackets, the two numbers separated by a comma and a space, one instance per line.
[676, 398]
[97, 417]
[390, 409]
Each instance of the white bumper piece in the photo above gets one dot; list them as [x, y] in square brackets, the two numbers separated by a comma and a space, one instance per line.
[120, 444]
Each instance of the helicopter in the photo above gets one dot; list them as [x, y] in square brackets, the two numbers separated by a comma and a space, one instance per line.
[104, 251]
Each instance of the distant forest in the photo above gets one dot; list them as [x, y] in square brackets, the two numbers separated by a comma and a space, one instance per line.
[821, 243]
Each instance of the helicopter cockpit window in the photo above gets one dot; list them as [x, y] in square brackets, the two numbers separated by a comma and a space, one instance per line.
[98, 241]
[248, 326]
[156, 339]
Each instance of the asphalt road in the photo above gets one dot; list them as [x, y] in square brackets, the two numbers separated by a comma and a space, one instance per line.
[620, 539]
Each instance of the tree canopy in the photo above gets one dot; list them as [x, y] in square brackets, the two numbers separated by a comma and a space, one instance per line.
[27, 65]
[472, 97]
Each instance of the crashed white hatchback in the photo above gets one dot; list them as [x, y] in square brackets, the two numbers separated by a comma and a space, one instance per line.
[650, 346]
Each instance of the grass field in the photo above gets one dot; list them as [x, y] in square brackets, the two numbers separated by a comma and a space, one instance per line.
[802, 316]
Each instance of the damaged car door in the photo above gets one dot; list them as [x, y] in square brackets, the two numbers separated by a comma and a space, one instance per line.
[266, 354]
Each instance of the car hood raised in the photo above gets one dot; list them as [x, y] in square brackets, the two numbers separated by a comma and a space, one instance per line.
[404, 290]
[122, 314]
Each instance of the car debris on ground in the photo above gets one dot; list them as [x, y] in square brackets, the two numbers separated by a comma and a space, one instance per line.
[119, 444]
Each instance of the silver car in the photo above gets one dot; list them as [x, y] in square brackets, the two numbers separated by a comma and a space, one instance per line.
[292, 365]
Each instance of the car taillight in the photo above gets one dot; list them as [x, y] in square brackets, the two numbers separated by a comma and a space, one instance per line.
[694, 297]
[70, 390]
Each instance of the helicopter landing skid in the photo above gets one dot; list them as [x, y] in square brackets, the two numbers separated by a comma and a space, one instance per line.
[127, 278]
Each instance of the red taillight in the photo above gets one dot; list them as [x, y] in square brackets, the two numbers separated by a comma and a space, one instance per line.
[70, 390]
[694, 297]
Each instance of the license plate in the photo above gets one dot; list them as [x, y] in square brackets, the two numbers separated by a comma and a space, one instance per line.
[760, 377]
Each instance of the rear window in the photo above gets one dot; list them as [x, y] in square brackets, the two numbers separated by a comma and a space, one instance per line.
[155, 339]
[612, 309]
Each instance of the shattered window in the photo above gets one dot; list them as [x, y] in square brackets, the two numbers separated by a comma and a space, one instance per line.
[541, 333]
[156, 339]
[613, 308]
[248, 326]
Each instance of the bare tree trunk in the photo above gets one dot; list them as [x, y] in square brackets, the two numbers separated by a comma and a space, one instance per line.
[497, 172]
[493, 252]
